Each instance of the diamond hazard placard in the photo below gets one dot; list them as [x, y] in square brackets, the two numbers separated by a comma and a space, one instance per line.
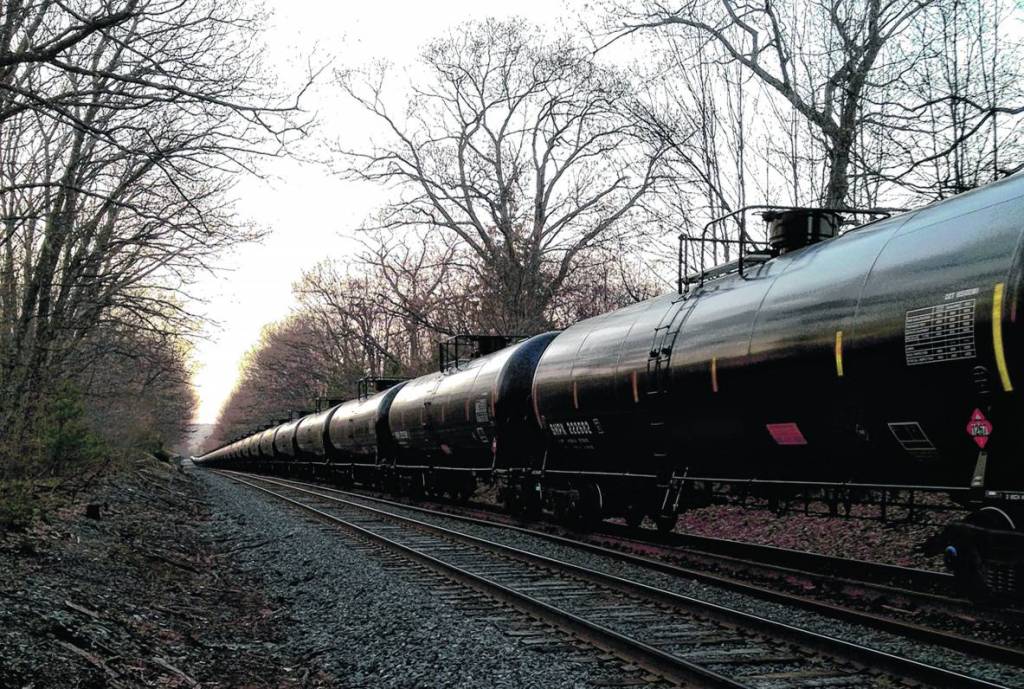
[979, 428]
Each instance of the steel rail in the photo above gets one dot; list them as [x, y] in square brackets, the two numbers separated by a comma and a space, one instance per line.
[874, 573]
[838, 648]
[869, 572]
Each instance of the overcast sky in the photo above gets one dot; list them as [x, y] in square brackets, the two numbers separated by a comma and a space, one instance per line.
[307, 214]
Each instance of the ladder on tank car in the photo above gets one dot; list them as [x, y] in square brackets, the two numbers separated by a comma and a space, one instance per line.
[657, 388]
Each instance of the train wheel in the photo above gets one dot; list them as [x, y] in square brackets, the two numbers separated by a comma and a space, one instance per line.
[525, 498]
[583, 509]
[634, 516]
[980, 580]
[666, 522]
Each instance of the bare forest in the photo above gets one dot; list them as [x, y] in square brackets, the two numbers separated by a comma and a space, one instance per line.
[123, 125]
[534, 176]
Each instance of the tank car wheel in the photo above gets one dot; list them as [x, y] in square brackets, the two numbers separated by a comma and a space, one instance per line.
[966, 562]
[634, 516]
[666, 522]
[583, 508]
[524, 498]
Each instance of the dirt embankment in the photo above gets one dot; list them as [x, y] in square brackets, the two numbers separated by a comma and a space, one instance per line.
[141, 596]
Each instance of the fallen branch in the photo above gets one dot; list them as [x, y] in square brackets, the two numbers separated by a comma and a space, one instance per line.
[170, 668]
[249, 546]
[93, 660]
[171, 561]
[86, 611]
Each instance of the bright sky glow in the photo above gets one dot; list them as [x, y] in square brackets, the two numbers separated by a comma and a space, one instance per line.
[308, 214]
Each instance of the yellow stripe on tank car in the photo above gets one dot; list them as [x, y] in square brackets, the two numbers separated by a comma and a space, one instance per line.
[714, 374]
[997, 336]
[536, 405]
[839, 353]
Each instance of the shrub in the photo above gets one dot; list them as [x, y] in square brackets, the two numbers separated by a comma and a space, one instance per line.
[64, 438]
[19, 505]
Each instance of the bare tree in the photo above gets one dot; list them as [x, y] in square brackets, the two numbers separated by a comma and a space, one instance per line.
[431, 283]
[136, 386]
[887, 90]
[820, 55]
[523, 148]
[281, 374]
[964, 127]
[706, 114]
[605, 281]
[44, 32]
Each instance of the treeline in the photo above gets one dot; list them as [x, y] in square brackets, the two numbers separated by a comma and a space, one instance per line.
[540, 177]
[122, 126]
[383, 315]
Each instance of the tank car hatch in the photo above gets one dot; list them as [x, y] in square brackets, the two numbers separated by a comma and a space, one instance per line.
[455, 352]
[799, 227]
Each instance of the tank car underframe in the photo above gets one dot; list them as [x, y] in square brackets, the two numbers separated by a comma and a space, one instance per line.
[633, 496]
[425, 480]
[986, 550]
[582, 498]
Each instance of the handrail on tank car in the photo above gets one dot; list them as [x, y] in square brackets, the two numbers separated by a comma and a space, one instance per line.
[457, 350]
[684, 281]
[370, 385]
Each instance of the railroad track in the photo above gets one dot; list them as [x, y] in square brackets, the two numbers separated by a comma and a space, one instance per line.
[879, 574]
[839, 570]
[687, 641]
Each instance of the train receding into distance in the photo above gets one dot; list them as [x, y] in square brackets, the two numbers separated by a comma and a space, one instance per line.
[887, 355]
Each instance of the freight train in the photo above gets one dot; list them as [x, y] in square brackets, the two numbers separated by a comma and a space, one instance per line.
[888, 355]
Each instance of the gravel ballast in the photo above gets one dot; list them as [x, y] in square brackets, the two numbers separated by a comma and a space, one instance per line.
[156, 578]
